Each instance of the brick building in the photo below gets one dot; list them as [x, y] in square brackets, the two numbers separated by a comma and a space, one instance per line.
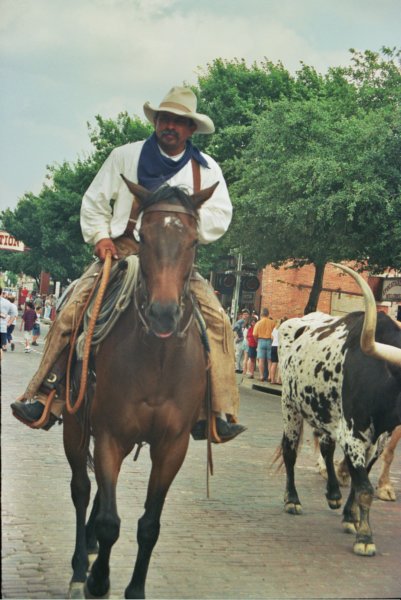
[285, 291]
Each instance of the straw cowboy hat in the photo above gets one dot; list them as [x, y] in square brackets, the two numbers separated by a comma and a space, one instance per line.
[181, 101]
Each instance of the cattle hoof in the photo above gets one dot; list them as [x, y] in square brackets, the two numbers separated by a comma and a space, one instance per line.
[386, 493]
[362, 549]
[349, 527]
[76, 590]
[334, 503]
[293, 509]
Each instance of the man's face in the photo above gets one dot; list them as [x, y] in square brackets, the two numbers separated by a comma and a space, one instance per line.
[172, 132]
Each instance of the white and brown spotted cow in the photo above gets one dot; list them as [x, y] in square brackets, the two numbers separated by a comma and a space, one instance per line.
[348, 387]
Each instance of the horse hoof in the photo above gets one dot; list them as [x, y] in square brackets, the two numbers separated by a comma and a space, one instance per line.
[349, 527]
[386, 493]
[293, 509]
[362, 549]
[76, 590]
[88, 594]
[333, 503]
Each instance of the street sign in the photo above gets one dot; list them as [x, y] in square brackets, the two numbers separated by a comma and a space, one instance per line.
[8, 242]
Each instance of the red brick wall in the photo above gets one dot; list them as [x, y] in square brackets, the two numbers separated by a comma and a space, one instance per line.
[285, 291]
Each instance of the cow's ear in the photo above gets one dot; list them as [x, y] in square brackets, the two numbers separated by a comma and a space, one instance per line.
[200, 197]
[137, 190]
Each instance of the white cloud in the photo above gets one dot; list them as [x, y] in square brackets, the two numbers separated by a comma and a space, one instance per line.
[64, 62]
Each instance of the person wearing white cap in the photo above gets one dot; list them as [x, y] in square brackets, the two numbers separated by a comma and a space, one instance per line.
[166, 157]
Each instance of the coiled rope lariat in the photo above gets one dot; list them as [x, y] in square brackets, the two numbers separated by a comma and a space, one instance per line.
[105, 275]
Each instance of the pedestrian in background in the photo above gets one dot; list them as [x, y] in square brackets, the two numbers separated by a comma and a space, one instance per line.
[11, 322]
[275, 370]
[48, 307]
[252, 344]
[238, 329]
[38, 304]
[36, 328]
[28, 321]
[263, 334]
[5, 312]
[245, 348]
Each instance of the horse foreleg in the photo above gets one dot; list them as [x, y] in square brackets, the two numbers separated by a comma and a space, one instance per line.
[108, 458]
[90, 531]
[167, 459]
[80, 493]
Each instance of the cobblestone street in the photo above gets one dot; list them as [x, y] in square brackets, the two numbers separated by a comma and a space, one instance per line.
[237, 544]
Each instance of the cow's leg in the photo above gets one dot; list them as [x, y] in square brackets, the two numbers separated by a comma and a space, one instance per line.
[363, 490]
[333, 494]
[385, 489]
[167, 458]
[351, 514]
[342, 472]
[290, 442]
[108, 457]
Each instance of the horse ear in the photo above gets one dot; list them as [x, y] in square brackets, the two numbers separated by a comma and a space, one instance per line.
[200, 197]
[137, 190]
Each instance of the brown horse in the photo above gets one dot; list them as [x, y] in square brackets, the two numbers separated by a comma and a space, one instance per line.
[150, 385]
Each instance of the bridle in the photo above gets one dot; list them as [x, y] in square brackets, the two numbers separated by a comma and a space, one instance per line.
[140, 292]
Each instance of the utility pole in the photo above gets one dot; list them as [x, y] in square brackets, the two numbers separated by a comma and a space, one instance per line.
[235, 300]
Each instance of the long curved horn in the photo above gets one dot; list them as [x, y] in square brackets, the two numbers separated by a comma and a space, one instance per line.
[368, 343]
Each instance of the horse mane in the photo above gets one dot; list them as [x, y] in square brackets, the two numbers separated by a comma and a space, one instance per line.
[172, 195]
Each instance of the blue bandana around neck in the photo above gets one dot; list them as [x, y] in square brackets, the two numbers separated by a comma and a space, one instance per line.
[154, 168]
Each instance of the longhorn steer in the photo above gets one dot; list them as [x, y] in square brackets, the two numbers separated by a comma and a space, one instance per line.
[348, 387]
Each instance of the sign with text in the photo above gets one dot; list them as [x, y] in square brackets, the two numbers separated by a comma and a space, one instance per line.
[392, 289]
[8, 242]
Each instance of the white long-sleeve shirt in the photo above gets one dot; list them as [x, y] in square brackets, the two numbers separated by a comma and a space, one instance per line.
[98, 221]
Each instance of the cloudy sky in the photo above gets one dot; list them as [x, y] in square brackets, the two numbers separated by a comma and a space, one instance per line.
[63, 62]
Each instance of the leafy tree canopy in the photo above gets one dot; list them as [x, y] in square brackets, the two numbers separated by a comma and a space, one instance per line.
[321, 176]
[316, 188]
[49, 223]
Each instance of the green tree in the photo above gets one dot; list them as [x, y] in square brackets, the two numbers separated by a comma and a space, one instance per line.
[107, 134]
[234, 95]
[49, 223]
[322, 186]
[237, 96]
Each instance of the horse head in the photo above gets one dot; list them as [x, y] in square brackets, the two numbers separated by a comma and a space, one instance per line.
[167, 236]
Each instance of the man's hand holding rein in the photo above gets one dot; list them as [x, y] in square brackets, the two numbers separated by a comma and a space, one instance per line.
[102, 246]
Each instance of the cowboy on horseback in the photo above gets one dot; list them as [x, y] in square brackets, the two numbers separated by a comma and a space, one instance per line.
[108, 220]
